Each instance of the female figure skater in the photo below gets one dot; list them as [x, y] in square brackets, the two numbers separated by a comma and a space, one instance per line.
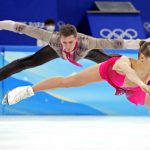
[127, 75]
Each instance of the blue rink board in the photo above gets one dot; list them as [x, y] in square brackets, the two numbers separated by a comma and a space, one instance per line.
[93, 99]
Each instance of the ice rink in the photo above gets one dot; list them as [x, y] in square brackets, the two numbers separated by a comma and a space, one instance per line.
[74, 133]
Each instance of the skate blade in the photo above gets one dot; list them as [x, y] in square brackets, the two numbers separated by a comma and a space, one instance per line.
[5, 100]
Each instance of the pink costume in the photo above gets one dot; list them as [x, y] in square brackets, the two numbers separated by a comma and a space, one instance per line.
[133, 94]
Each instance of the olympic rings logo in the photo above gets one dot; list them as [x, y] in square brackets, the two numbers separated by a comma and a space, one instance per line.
[60, 24]
[147, 26]
[118, 33]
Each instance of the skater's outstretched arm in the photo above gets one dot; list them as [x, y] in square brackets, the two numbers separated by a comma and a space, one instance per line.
[28, 30]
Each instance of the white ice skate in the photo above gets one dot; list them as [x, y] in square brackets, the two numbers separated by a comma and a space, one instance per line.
[17, 95]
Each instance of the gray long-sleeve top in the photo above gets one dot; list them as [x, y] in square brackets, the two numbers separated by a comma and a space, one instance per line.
[85, 43]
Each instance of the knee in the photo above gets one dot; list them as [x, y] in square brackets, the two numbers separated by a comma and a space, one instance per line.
[70, 81]
[20, 63]
[27, 62]
[35, 61]
[17, 62]
[147, 103]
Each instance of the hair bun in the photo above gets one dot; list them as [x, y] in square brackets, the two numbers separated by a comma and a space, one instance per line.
[142, 43]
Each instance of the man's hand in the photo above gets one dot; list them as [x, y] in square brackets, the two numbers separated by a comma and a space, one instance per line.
[147, 40]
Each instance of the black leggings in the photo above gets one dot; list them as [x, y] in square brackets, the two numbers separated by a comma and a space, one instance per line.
[42, 56]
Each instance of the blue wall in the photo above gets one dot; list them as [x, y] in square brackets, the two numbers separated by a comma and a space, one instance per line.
[74, 10]
[68, 11]
[25, 11]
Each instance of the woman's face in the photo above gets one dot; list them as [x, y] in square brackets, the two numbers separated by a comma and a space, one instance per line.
[147, 62]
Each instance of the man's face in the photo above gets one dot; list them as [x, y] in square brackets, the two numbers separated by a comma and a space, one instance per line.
[69, 42]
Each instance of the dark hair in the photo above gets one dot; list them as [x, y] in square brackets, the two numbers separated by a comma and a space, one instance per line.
[67, 30]
[144, 49]
[49, 22]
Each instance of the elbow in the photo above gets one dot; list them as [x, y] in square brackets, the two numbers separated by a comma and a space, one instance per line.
[126, 69]
[129, 72]
[118, 44]
[19, 27]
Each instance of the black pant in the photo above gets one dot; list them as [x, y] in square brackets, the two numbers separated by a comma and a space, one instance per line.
[42, 56]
